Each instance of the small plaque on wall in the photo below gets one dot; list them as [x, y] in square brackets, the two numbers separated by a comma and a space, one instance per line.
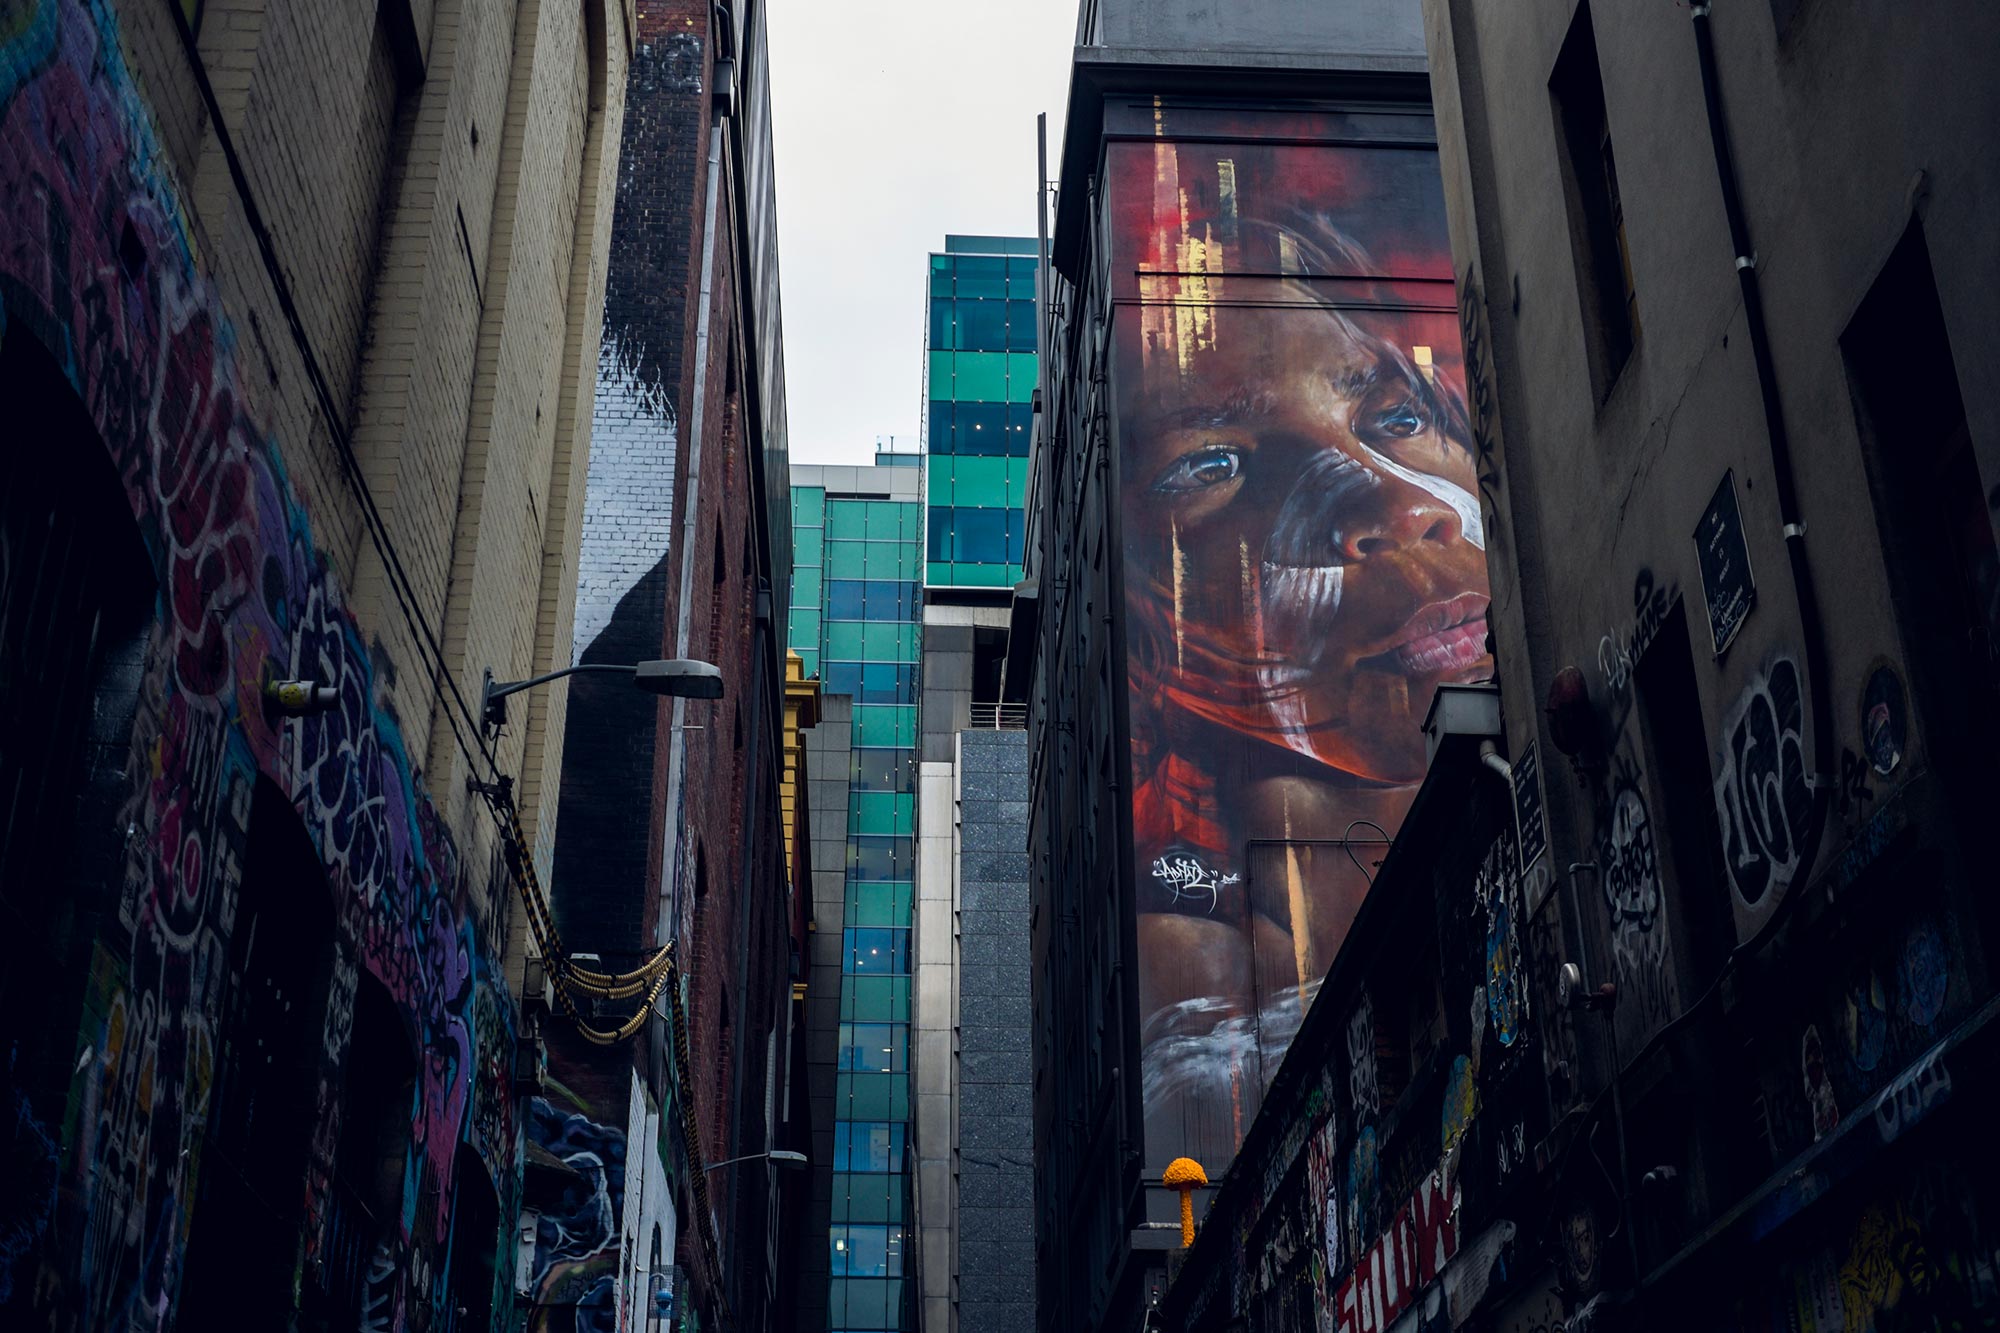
[1726, 582]
[1531, 826]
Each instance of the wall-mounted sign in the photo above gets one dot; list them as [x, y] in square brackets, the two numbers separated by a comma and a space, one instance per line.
[1531, 826]
[1726, 582]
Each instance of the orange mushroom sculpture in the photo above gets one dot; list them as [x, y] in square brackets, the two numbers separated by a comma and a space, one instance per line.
[1185, 1174]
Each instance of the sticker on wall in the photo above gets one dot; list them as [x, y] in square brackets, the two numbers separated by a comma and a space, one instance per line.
[1885, 720]
[1726, 582]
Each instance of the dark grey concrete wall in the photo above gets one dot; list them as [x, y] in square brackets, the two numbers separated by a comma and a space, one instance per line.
[996, 1138]
[1292, 27]
[947, 702]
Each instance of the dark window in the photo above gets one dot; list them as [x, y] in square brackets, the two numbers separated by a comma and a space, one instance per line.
[1933, 512]
[77, 599]
[873, 682]
[982, 428]
[880, 856]
[1691, 871]
[876, 952]
[879, 769]
[475, 1237]
[1596, 213]
[871, 599]
[943, 336]
[943, 415]
[244, 1238]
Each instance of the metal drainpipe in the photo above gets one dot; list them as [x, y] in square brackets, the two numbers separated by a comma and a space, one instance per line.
[670, 921]
[1812, 627]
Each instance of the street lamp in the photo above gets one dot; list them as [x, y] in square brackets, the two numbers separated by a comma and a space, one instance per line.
[777, 1157]
[682, 677]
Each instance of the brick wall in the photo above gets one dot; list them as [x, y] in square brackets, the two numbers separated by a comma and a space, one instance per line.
[429, 185]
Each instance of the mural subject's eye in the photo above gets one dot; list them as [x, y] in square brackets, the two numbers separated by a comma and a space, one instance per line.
[1401, 421]
[1209, 466]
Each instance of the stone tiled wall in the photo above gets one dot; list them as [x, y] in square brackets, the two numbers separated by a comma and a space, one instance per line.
[996, 1140]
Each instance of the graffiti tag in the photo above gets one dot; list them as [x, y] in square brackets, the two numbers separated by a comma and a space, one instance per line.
[1760, 788]
[1407, 1257]
[1186, 876]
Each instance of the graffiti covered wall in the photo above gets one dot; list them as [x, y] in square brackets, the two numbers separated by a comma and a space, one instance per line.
[96, 266]
[1303, 565]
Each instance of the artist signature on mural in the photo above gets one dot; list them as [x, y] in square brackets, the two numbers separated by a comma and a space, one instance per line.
[1186, 876]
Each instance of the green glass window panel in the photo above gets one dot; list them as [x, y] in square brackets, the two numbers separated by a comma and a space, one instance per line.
[980, 376]
[1020, 377]
[810, 657]
[847, 520]
[940, 372]
[856, 1304]
[1017, 482]
[843, 640]
[942, 264]
[872, 1096]
[806, 587]
[846, 560]
[884, 520]
[804, 629]
[885, 903]
[881, 812]
[875, 1000]
[886, 724]
[808, 506]
[975, 480]
[869, 1198]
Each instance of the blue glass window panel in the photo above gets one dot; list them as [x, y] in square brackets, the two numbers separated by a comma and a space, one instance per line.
[875, 1048]
[870, 1146]
[942, 440]
[863, 1251]
[982, 276]
[979, 535]
[982, 326]
[872, 599]
[879, 953]
[941, 323]
[1020, 325]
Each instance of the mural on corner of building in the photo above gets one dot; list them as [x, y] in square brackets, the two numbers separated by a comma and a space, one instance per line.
[1304, 564]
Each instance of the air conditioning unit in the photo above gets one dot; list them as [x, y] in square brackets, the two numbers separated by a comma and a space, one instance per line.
[724, 87]
[531, 1063]
[535, 997]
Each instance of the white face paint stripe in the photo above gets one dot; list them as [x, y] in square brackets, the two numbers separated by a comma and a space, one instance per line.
[1461, 501]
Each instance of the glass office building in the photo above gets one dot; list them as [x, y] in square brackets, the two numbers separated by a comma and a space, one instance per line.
[980, 376]
[856, 619]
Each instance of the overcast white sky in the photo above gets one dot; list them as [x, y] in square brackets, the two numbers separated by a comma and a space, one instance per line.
[896, 121]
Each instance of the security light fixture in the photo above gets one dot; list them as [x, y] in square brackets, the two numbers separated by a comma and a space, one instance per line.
[776, 1157]
[674, 677]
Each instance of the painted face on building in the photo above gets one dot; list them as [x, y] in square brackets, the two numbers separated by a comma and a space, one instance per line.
[1310, 534]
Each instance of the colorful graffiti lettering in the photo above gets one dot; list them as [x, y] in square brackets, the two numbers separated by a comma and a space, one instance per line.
[1408, 1256]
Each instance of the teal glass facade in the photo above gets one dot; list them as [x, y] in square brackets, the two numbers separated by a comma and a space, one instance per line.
[856, 619]
[980, 376]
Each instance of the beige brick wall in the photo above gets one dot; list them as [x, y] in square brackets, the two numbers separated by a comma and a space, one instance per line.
[441, 216]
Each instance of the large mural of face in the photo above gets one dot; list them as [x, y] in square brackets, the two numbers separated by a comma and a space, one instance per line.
[1304, 564]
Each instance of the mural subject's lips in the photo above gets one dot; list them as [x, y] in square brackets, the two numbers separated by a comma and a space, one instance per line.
[1441, 638]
